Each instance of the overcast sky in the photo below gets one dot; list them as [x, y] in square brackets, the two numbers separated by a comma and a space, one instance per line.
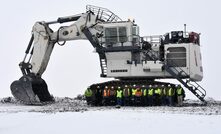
[74, 66]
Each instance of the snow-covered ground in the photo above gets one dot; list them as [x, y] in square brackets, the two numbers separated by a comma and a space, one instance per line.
[73, 116]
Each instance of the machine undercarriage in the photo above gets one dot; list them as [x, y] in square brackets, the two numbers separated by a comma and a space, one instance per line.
[98, 98]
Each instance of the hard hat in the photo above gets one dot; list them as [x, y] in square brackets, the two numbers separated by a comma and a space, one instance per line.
[112, 87]
[150, 85]
[143, 85]
[134, 85]
[98, 86]
[118, 87]
[162, 85]
[125, 85]
[176, 85]
[169, 85]
[106, 87]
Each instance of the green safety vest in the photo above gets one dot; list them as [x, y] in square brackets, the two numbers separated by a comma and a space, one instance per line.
[144, 92]
[150, 92]
[170, 92]
[134, 91]
[119, 93]
[179, 91]
[88, 93]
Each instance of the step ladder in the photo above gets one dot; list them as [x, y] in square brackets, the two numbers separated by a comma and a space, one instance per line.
[192, 85]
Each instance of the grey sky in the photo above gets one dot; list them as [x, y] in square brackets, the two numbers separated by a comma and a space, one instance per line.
[74, 66]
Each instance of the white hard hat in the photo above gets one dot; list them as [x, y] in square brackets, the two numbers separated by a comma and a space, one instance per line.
[143, 85]
[150, 85]
[106, 87]
[112, 87]
[169, 85]
[134, 85]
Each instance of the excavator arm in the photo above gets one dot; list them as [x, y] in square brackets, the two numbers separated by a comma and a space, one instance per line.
[31, 88]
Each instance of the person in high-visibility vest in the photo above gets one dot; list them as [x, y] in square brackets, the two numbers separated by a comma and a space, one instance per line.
[159, 97]
[144, 95]
[156, 95]
[164, 96]
[106, 95]
[88, 95]
[179, 91]
[138, 96]
[126, 95]
[119, 96]
[133, 90]
[170, 95]
[150, 95]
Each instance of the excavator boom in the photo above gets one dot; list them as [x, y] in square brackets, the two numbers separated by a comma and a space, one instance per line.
[31, 88]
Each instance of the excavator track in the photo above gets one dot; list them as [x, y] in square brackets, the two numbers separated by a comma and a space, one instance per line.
[121, 83]
[31, 90]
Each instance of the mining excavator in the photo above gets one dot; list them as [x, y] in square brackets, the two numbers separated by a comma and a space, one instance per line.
[123, 54]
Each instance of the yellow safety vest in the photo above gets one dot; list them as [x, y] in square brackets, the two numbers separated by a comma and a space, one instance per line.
[150, 92]
[164, 91]
[170, 92]
[179, 91]
[159, 91]
[144, 92]
[134, 91]
[119, 93]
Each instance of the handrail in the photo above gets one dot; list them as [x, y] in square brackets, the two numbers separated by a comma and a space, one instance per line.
[198, 86]
[104, 13]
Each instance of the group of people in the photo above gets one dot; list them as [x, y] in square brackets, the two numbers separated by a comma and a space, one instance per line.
[136, 95]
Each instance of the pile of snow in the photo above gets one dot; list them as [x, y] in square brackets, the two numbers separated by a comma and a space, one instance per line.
[78, 104]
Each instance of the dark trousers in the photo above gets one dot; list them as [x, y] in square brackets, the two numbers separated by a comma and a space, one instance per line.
[170, 100]
[105, 101]
[126, 101]
[150, 100]
[119, 101]
[144, 101]
[138, 100]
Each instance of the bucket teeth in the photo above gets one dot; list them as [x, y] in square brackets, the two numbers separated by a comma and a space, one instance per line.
[31, 90]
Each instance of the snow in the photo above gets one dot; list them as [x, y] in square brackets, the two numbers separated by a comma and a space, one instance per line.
[108, 122]
[69, 115]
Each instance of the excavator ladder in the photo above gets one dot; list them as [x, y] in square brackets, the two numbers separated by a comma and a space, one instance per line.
[103, 64]
[192, 85]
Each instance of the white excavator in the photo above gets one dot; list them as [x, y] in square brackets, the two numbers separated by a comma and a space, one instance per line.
[123, 54]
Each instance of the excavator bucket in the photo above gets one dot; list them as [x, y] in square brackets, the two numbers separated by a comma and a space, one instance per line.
[31, 90]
